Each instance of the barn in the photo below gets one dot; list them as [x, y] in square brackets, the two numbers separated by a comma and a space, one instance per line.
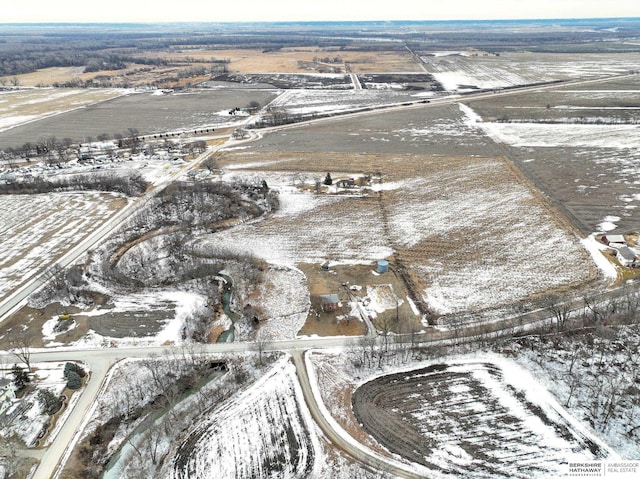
[329, 302]
[615, 241]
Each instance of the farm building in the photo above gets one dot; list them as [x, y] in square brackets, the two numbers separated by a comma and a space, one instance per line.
[615, 241]
[627, 257]
[329, 302]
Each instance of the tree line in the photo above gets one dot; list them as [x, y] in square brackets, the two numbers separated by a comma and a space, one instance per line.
[128, 184]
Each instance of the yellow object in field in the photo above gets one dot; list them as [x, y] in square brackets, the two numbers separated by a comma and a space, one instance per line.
[63, 317]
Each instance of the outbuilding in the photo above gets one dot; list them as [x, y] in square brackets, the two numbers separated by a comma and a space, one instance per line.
[383, 266]
[329, 302]
[627, 257]
[615, 241]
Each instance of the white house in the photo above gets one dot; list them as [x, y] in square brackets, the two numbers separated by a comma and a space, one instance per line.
[627, 257]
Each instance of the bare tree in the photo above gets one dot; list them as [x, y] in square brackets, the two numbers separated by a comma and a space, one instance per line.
[593, 309]
[21, 346]
[260, 345]
[561, 310]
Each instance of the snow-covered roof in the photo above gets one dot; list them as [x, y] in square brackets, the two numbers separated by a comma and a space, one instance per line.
[329, 298]
[615, 239]
[627, 253]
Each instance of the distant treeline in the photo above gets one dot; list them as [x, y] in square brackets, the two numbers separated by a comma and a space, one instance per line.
[25, 49]
[130, 185]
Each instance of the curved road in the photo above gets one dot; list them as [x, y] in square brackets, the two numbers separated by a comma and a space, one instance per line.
[100, 361]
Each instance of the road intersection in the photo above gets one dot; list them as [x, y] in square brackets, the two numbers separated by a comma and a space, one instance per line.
[101, 361]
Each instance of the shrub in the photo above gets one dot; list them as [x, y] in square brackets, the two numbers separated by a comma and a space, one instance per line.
[74, 381]
[73, 367]
[20, 377]
[49, 401]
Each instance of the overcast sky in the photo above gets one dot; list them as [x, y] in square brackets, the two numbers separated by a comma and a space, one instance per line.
[294, 10]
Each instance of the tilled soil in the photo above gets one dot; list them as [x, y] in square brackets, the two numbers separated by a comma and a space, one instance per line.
[453, 419]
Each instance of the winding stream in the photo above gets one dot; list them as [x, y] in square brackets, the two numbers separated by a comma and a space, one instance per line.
[228, 335]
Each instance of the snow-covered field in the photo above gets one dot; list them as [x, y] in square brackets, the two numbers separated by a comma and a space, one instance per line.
[310, 228]
[37, 229]
[229, 443]
[478, 414]
[479, 238]
[572, 135]
[24, 105]
[460, 224]
[598, 164]
[457, 72]
[308, 102]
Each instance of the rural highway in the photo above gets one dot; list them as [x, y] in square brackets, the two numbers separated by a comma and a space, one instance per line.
[100, 361]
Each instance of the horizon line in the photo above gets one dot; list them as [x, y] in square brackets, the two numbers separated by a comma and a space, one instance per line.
[218, 22]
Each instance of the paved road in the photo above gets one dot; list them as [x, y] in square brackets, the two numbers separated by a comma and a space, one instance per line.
[100, 360]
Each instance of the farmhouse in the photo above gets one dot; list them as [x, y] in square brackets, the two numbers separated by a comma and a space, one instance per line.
[627, 257]
[329, 302]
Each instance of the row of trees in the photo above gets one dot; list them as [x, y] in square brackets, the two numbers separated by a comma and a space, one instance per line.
[131, 185]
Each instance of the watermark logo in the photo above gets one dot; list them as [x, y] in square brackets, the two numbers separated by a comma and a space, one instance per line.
[610, 469]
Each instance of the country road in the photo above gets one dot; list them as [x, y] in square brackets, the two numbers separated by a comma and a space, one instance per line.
[341, 438]
[101, 361]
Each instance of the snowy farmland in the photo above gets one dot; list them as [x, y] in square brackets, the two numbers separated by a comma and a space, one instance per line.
[311, 102]
[228, 443]
[38, 229]
[477, 413]
[586, 159]
[456, 222]
[461, 71]
[26, 105]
